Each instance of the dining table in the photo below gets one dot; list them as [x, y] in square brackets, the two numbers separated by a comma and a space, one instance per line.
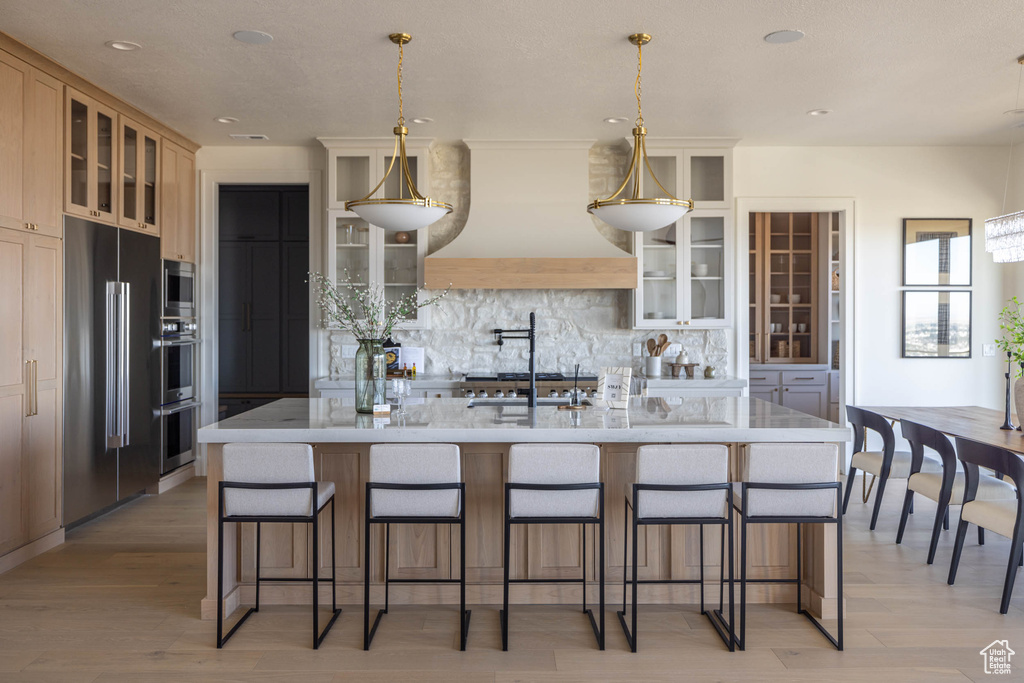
[968, 422]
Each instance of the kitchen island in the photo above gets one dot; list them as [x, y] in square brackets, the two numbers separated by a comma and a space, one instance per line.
[484, 430]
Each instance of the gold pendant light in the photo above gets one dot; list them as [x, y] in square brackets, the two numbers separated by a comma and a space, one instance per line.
[636, 213]
[399, 213]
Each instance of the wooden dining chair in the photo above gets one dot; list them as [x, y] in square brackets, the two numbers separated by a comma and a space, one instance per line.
[946, 487]
[1004, 517]
[884, 464]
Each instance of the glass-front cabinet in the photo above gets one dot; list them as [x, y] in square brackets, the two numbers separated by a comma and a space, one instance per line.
[140, 161]
[361, 253]
[685, 268]
[91, 163]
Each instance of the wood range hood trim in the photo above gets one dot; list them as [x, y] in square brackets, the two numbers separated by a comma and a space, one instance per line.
[528, 227]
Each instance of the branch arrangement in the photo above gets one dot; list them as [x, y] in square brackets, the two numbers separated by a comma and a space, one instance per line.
[362, 308]
[1011, 322]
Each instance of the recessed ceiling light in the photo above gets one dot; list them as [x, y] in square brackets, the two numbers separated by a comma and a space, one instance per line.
[819, 112]
[123, 45]
[253, 37]
[786, 36]
[226, 119]
[422, 119]
[616, 119]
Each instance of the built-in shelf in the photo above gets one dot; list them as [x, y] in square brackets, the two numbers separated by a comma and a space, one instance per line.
[659, 277]
[400, 284]
[77, 157]
[707, 277]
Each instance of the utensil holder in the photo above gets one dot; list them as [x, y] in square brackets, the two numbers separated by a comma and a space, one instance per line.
[652, 366]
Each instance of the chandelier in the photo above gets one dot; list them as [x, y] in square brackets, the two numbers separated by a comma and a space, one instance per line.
[1004, 235]
[410, 210]
[636, 213]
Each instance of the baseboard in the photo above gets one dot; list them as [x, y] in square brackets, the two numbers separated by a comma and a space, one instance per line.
[33, 549]
[175, 478]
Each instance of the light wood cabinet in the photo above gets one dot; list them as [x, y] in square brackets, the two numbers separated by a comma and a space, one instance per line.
[784, 288]
[31, 129]
[177, 203]
[91, 158]
[138, 184]
[31, 306]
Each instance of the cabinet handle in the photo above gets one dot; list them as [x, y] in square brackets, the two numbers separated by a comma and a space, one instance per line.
[787, 388]
[759, 379]
[807, 379]
[28, 388]
[35, 387]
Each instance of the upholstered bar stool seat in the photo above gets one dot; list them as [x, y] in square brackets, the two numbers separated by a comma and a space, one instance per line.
[266, 483]
[414, 483]
[680, 484]
[871, 462]
[555, 484]
[791, 483]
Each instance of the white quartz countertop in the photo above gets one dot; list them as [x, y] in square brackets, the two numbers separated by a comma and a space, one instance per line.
[648, 420]
[696, 383]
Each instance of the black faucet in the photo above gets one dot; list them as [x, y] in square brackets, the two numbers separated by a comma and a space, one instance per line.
[531, 334]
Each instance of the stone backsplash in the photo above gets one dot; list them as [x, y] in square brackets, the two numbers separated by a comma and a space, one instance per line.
[589, 327]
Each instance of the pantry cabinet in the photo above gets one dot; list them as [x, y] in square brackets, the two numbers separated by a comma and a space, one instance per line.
[177, 203]
[31, 306]
[31, 133]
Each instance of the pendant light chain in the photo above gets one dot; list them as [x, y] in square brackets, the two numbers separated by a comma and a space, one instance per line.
[1009, 159]
[401, 105]
[639, 84]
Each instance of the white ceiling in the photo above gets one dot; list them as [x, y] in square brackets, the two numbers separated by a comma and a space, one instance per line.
[895, 72]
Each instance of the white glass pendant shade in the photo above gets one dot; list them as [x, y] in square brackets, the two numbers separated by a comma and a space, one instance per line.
[410, 210]
[1004, 237]
[641, 215]
[400, 215]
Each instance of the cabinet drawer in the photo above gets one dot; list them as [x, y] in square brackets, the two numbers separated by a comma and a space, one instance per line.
[763, 377]
[800, 377]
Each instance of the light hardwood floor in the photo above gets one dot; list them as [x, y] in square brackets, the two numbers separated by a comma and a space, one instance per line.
[120, 602]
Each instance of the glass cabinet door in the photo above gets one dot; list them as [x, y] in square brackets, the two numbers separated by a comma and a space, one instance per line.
[79, 158]
[149, 163]
[90, 182]
[139, 161]
[129, 174]
[792, 286]
[105, 163]
[352, 258]
[707, 265]
[401, 274]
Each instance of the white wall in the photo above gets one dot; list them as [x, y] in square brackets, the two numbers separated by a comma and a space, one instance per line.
[887, 185]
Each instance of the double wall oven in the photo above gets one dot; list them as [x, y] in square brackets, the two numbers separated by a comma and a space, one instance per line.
[179, 410]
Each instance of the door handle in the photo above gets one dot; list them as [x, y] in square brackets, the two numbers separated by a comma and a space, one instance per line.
[28, 388]
[126, 313]
[35, 387]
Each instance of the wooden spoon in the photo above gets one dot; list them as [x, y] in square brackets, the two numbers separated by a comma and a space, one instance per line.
[662, 339]
[663, 348]
[651, 346]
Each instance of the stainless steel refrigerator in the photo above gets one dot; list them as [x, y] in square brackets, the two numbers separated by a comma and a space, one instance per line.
[112, 306]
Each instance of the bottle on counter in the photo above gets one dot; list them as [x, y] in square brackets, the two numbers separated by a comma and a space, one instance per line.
[414, 371]
[405, 370]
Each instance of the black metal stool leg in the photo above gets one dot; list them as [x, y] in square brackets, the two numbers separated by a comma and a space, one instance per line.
[259, 554]
[503, 615]
[316, 577]
[701, 557]
[799, 568]
[583, 533]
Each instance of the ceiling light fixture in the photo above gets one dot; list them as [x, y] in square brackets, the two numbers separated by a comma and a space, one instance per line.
[616, 119]
[253, 37]
[409, 210]
[226, 119]
[123, 45]
[422, 119]
[1004, 235]
[819, 112]
[785, 36]
[636, 213]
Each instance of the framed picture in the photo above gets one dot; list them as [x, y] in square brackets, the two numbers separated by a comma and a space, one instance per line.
[936, 324]
[937, 252]
[613, 387]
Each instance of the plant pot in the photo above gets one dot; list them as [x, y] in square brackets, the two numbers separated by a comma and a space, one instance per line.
[371, 375]
[1018, 399]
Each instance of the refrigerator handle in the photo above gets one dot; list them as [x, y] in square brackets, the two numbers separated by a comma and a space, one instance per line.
[124, 394]
[112, 404]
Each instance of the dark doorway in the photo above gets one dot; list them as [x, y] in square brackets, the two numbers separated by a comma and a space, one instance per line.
[263, 295]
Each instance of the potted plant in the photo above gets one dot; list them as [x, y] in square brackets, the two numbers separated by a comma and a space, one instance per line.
[1011, 323]
[363, 310]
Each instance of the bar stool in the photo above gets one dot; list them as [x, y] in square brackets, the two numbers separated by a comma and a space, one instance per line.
[791, 483]
[885, 464]
[272, 482]
[414, 483]
[555, 484]
[945, 488]
[681, 485]
[1004, 517]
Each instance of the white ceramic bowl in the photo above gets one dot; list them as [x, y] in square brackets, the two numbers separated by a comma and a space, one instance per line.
[776, 298]
[794, 298]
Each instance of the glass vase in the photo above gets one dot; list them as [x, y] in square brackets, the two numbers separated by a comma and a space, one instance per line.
[371, 371]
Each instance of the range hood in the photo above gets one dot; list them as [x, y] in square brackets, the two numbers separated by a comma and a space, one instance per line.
[528, 226]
